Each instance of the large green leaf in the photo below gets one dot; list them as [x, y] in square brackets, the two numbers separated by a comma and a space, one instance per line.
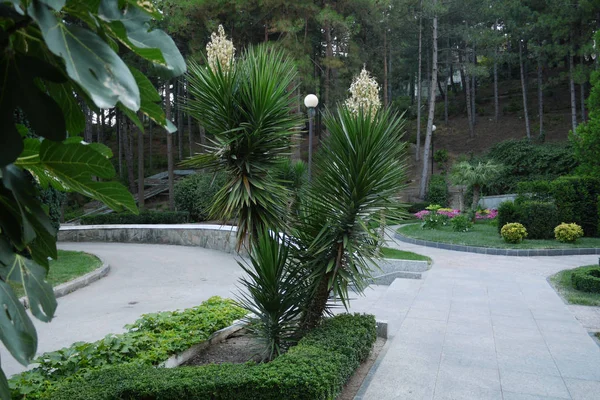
[150, 101]
[40, 295]
[73, 114]
[16, 329]
[73, 165]
[89, 60]
[132, 29]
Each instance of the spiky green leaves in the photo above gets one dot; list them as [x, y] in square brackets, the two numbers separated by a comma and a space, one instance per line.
[249, 112]
[360, 170]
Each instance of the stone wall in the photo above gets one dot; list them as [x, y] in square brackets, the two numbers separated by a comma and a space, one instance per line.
[213, 237]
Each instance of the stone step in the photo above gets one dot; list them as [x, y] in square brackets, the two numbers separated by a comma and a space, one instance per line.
[391, 265]
[389, 278]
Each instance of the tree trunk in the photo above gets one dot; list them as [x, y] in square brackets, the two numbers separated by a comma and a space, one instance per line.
[170, 167]
[202, 138]
[572, 89]
[329, 56]
[446, 83]
[467, 81]
[140, 143]
[582, 86]
[452, 83]
[524, 89]
[540, 98]
[317, 306]
[180, 117]
[127, 146]
[434, 72]
[101, 129]
[476, 196]
[473, 94]
[385, 70]
[119, 127]
[419, 83]
[150, 145]
[496, 102]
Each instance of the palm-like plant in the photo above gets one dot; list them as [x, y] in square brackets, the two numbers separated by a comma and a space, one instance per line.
[475, 175]
[275, 292]
[248, 111]
[359, 171]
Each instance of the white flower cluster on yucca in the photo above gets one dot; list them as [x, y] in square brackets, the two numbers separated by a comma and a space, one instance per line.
[365, 94]
[220, 50]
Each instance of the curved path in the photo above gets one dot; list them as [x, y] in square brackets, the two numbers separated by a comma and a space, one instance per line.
[143, 279]
[482, 327]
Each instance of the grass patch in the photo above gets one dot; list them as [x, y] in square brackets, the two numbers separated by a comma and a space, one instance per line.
[484, 234]
[564, 286]
[68, 266]
[396, 254]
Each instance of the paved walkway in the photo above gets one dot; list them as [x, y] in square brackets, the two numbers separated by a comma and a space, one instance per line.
[482, 327]
[477, 327]
[143, 279]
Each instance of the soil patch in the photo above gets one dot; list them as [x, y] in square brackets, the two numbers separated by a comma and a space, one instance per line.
[356, 380]
[237, 349]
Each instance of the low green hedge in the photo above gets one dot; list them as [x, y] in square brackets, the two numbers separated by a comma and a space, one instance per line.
[143, 218]
[539, 217]
[316, 368]
[587, 279]
[437, 191]
[148, 341]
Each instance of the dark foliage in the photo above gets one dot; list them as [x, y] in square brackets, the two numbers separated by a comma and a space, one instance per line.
[437, 192]
[148, 217]
[587, 279]
[195, 194]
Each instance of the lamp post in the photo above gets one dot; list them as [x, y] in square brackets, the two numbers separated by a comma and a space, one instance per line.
[433, 128]
[311, 102]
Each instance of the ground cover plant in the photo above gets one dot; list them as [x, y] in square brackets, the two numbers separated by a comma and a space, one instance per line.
[484, 234]
[563, 283]
[396, 254]
[69, 265]
[149, 341]
[315, 369]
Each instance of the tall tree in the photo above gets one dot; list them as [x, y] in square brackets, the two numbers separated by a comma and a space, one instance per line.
[432, 98]
[524, 89]
[170, 163]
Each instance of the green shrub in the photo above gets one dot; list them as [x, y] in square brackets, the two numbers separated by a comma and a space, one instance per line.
[568, 233]
[527, 161]
[195, 194]
[507, 213]
[437, 191]
[433, 219]
[441, 159]
[534, 190]
[143, 218]
[577, 200]
[461, 223]
[539, 218]
[150, 340]
[416, 207]
[513, 232]
[586, 279]
[316, 368]
[598, 210]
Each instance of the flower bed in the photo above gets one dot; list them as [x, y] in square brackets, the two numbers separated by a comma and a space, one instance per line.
[316, 368]
[486, 214]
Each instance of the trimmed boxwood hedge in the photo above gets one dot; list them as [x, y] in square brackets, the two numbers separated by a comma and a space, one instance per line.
[143, 218]
[539, 217]
[577, 200]
[316, 368]
[587, 279]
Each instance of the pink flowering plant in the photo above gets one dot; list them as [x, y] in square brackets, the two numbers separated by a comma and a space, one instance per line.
[435, 215]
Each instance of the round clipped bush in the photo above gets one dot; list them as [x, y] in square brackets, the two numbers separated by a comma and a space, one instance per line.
[568, 233]
[461, 223]
[587, 280]
[513, 232]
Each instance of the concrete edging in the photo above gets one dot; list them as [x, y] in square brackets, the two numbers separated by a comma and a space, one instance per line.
[75, 284]
[499, 252]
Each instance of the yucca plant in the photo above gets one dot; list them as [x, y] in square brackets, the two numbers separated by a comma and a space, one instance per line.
[275, 290]
[248, 111]
[358, 173]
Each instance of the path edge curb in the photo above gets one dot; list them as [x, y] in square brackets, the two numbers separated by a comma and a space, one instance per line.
[492, 251]
[85, 280]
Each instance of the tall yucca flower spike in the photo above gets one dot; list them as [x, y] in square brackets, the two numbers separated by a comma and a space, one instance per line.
[220, 50]
[365, 94]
